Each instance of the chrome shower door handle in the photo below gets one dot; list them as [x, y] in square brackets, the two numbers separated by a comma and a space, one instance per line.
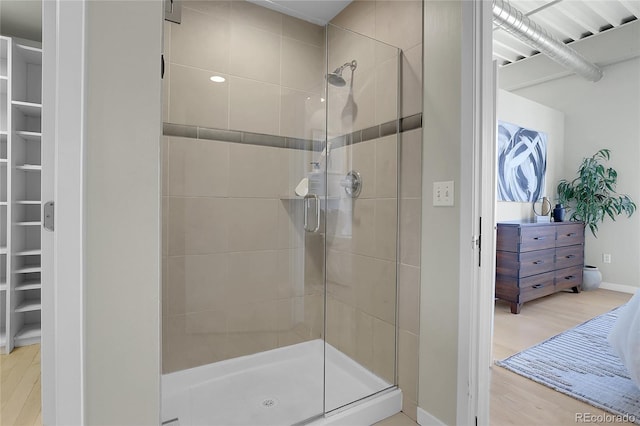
[307, 199]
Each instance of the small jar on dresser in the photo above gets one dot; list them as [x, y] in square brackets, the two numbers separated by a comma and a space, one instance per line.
[537, 259]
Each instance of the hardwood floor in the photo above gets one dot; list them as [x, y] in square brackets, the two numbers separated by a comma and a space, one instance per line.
[516, 400]
[20, 399]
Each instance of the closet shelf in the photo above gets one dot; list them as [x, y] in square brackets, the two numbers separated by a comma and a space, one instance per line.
[28, 286]
[33, 223]
[34, 252]
[3, 250]
[29, 202]
[28, 108]
[30, 136]
[3, 203]
[30, 167]
[3, 287]
[28, 270]
[29, 306]
[28, 331]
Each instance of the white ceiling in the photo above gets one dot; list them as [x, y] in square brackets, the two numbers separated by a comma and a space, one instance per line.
[319, 12]
[570, 21]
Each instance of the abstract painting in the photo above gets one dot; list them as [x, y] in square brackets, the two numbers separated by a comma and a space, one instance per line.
[522, 163]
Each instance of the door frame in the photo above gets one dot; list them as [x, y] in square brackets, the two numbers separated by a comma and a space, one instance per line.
[63, 107]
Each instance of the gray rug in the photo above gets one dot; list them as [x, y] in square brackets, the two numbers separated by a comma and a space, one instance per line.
[580, 363]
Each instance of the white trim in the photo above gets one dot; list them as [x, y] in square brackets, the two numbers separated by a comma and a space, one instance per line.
[427, 419]
[63, 126]
[622, 288]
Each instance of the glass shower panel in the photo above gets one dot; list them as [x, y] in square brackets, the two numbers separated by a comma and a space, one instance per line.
[362, 217]
[243, 282]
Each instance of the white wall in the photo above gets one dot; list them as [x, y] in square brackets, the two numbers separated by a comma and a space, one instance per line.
[515, 109]
[122, 211]
[599, 115]
[440, 276]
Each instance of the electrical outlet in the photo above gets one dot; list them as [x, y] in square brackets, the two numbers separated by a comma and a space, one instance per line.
[443, 193]
[606, 258]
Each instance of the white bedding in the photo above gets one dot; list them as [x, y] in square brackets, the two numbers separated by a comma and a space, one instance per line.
[625, 337]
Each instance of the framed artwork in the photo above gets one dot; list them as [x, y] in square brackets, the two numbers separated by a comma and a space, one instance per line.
[522, 163]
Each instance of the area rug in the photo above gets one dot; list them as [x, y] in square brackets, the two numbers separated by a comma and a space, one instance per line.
[580, 363]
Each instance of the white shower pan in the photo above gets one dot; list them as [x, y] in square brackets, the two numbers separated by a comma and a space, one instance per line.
[279, 387]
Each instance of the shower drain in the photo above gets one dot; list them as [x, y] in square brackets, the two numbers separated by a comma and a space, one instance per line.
[269, 402]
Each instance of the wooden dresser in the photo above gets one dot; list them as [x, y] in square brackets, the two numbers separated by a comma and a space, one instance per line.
[537, 259]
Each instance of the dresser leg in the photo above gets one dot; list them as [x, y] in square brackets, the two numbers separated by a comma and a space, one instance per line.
[576, 289]
[515, 307]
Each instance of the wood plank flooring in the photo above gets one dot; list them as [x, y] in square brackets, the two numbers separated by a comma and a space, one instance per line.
[20, 399]
[516, 400]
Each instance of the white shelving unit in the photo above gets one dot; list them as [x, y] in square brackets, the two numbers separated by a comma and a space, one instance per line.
[20, 197]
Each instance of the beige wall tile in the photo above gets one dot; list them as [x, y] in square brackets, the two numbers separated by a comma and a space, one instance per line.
[408, 365]
[412, 81]
[387, 93]
[166, 41]
[165, 165]
[166, 52]
[197, 226]
[249, 343]
[345, 46]
[410, 217]
[247, 13]
[359, 16]
[364, 227]
[364, 339]
[399, 23]
[253, 277]
[254, 106]
[386, 167]
[290, 224]
[341, 326]
[340, 272]
[198, 168]
[254, 54]
[302, 65]
[290, 274]
[196, 283]
[219, 8]
[201, 41]
[384, 350]
[386, 228]
[185, 345]
[411, 164]
[257, 171]
[314, 260]
[165, 226]
[375, 282]
[252, 317]
[410, 408]
[301, 114]
[409, 299]
[302, 30]
[314, 315]
[196, 100]
[363, 160]
[252, 223]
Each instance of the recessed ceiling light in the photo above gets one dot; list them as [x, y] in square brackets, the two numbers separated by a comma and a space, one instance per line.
[217, 79]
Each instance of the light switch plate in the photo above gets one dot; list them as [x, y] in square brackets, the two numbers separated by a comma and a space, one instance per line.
[443, 193]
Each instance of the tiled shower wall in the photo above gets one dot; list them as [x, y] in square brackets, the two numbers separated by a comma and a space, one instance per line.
[399, 23]
[234, 280]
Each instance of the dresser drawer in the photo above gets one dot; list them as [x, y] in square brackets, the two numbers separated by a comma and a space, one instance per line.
[537, 238]
[568, 277]
[569, 256]
[570, 234]
[536, 262]
[536, 286]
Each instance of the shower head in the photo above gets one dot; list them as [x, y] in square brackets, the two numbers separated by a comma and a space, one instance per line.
[335, 78]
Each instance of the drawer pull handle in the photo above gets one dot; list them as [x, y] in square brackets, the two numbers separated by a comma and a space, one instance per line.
[538, 238]
[570, 277]
[571, 234]
[537, 286]
[538, 262]
[571, 256]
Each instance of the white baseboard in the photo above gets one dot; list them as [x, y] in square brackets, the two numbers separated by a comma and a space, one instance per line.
[427, 419]
[622, 288]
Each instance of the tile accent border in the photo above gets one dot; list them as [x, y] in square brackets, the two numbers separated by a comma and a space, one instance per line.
[195, 132]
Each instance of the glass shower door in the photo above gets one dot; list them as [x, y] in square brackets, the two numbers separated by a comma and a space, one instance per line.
[361, 217]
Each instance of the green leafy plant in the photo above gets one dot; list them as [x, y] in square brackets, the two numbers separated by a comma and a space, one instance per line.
[592, 196]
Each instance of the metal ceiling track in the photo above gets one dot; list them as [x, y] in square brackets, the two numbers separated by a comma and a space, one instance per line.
[519, 25]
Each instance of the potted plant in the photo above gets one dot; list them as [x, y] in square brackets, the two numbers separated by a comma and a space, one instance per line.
[591, 197]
